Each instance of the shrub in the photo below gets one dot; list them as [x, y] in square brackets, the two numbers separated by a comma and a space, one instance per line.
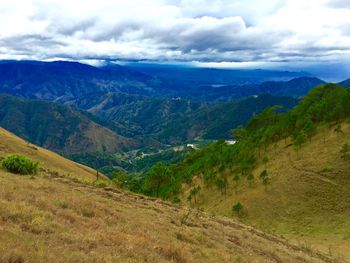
[19, 164]
[101, 183]
[237, 208]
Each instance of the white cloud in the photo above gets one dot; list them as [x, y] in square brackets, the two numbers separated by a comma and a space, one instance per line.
[247, 31]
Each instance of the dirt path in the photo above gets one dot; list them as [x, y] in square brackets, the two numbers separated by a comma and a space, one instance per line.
[314, 174]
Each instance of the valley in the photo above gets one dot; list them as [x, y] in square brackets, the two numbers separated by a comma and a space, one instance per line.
[175, 131]
[180, 150]
[59, 215]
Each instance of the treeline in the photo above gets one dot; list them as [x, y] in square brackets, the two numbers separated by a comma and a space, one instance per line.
[327, 104]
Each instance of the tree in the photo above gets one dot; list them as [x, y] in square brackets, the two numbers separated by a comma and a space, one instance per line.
[239, 133]
[120, 179]
[193, 193]
[237, 208]
[309, 128]
[264, 177]
[298, 140]
[221, 183]
[265, 160]
[158, 176]
[209, 178]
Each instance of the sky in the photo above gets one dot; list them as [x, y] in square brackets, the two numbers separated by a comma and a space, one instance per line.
[216, 33]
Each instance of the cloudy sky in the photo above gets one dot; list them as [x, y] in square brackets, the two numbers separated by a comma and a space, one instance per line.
[216, 32]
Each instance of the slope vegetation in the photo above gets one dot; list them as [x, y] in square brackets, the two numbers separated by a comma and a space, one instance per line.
[175, 120]
[56, 219]
[49, 161]
[53, 217]
[307, 198]
[288, 173]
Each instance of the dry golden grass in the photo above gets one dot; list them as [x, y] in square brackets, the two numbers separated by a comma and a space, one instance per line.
[308, 200]
[55, 218]
[9, 144]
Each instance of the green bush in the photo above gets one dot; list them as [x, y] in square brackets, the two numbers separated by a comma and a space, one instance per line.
[101, 183]
[19, 164]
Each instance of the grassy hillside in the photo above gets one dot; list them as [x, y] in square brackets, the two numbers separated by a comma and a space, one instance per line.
[307, 199]
[288, 173]
[10, 143]
[54, 218]
[57, 127]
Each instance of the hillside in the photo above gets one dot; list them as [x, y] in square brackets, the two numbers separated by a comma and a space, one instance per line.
[49, 161]
[345, 83]
[57, 127]
[297, 87]
[174, 121]
[53, 218]
[307, 199]
[287, 174]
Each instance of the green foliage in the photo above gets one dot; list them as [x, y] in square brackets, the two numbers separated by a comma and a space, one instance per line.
[193, 193]
[309, 128]
[221, 184]
[120, 179]
[237, 208]
[326, 104]
[159, 181]
[263, 175]
[265, 160]
[110, 163]
[298, 140]
[101, 183]
[19, 164]
[209, 178]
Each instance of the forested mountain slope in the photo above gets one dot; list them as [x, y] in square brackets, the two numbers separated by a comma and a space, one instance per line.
[175, 120]
[288, 173]
[58, 128]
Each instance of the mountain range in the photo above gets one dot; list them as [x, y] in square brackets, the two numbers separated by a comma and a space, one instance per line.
[71, 80]
[57, 127]
[271, 152]
[74, 108]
